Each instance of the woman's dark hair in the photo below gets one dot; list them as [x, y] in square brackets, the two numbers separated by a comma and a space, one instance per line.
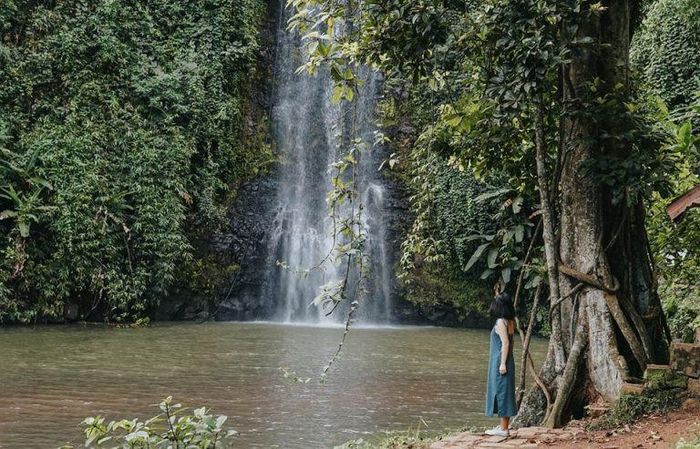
[502, 307]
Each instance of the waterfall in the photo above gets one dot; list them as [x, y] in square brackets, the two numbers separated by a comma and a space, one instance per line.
[306, 127]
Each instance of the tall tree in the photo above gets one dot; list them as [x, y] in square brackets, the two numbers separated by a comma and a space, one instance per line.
[602, 252]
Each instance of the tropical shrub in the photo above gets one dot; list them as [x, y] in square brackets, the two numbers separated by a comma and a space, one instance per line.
[675, 245]
[630, 408]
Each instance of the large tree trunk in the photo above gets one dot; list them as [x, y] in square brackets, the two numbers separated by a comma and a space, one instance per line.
[609, 313]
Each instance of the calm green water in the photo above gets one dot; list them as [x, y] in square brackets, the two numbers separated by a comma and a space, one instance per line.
[387, 379]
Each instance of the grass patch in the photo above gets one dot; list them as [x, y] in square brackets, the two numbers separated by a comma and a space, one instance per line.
[393, 442]
[631, 407]
[693, 443]
[410, 439]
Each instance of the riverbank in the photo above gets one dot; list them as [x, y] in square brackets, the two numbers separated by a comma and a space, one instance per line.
[679, 429]
[676, 429]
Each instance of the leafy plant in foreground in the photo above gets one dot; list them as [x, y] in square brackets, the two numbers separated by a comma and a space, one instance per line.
[170, 429]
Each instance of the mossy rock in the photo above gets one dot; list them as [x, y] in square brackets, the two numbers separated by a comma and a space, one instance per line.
[660, 377]
[685, 358]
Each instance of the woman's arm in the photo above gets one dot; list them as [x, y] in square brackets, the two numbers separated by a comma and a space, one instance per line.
[502, 331]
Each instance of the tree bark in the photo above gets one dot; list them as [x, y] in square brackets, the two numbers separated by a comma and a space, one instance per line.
[550, 247]
[609, 312]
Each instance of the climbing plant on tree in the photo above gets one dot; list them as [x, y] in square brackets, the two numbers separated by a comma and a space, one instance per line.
[554, 102]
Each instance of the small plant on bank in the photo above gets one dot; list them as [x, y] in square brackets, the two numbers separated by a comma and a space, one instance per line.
[171, 429]
[631, 407]
[394, 442]
[139, 323]
[410, 439]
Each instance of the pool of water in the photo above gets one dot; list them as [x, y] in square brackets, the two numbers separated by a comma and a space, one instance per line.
[387, 379]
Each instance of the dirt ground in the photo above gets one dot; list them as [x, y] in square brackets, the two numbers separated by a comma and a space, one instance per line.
[653, 431]
[658, 431]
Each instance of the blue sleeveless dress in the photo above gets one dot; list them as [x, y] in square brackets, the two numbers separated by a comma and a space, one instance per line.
[500, 389]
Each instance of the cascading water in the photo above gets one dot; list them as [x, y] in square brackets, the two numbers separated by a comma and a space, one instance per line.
[306, 128]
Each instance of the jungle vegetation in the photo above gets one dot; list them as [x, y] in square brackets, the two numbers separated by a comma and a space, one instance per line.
[122, 138]
[540, 141]
[447, 191]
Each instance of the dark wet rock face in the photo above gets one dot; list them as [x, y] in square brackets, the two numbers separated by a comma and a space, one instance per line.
[252, 225]
[251, 217]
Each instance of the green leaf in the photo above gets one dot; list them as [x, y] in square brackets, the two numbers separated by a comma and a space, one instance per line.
[491, 259]
[348, 75]
[486, 274]
[23, 228]
[517, 204]
[324, 49]
[519, 233]
[336, 73]
[490, 195]
[477, 254]
[8, 214]
[454, 120]
[337, 94]
[505, 274]
[684, 135]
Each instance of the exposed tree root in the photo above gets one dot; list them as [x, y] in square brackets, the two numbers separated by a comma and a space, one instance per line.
[540, 383]
[587, 278]
[641, 354]
[526, 359]
[568, 379]
[626, 330]
[639, 325]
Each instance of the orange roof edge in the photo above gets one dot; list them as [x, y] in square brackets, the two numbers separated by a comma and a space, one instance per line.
[680, 205]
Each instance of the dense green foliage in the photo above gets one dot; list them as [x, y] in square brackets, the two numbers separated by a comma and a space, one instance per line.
[171, 428]
[666, 50]
[466, 234]
[470, 231]
[675, 245]
[120, 135]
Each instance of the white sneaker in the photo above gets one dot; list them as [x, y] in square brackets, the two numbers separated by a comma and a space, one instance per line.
[497, 432]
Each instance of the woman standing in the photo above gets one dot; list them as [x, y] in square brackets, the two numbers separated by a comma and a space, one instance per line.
[500, 385]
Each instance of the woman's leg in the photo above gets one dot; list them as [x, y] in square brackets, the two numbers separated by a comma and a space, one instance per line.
[505, 422]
